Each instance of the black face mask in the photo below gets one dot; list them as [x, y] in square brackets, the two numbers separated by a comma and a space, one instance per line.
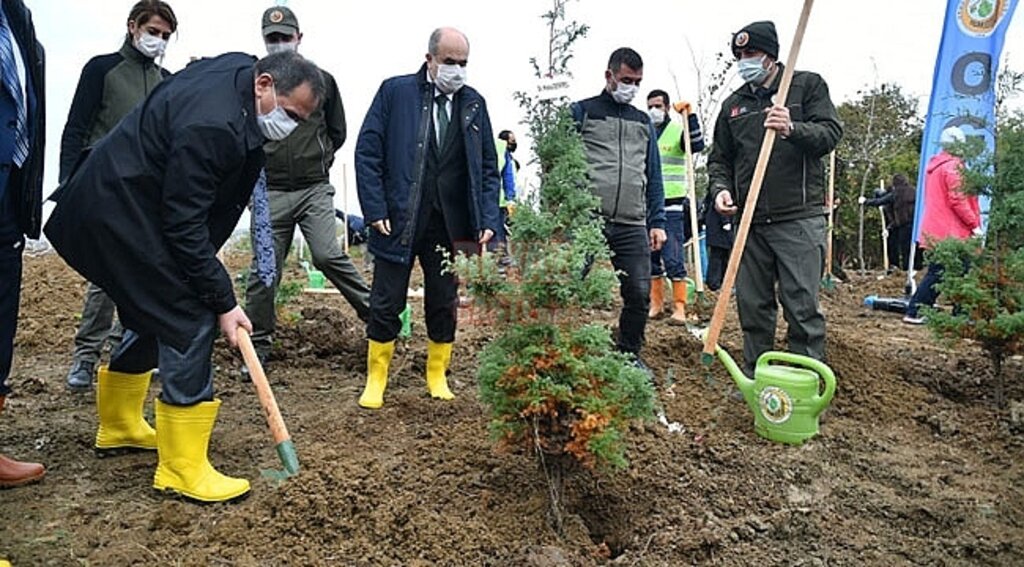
[511, 147]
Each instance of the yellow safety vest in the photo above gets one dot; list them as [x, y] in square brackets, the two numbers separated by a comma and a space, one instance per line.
[673, 161]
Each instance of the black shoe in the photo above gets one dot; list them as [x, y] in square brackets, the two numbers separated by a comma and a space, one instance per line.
[80, 376]
[263, 358]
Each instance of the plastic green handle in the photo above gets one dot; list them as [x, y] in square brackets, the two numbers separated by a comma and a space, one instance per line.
[826, 374]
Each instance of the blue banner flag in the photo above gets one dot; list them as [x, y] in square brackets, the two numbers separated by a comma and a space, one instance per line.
[963, 89]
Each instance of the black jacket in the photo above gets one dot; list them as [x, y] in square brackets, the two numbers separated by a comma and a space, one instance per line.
[794, 183]
[143, 215]
[21, 207]
[109, 88]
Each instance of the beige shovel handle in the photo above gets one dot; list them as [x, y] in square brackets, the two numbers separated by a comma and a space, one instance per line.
[718, 319]
[831, 212]
[266, 395]
[698, 273]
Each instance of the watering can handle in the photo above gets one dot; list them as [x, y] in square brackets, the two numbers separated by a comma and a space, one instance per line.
[823, 371]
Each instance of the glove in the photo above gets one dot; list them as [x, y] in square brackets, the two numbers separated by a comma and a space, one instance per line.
[977, 231]
[510, 208]
[862, 199]
[683, 107]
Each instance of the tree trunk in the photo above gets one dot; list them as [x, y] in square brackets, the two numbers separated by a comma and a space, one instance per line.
[860, 227]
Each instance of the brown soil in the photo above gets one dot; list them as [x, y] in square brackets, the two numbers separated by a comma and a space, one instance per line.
[915, 464]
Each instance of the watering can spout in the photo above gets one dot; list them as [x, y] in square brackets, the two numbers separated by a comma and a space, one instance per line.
[744, 383]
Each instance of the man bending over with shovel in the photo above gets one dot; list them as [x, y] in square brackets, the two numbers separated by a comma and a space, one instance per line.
[143, 217]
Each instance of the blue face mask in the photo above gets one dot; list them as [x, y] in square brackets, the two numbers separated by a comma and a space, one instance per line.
[752, 70]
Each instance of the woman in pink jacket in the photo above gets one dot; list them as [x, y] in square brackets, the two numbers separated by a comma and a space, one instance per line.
[948, 213]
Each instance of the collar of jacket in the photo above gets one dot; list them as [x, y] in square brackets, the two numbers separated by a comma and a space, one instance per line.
[771, 89]
[129, 52]
[244, 87]
[607, 96]
[421, 76]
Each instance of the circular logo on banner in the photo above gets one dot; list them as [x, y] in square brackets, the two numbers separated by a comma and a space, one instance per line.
[979, 18]
[276, 16]
[776, 405]
[742, 39]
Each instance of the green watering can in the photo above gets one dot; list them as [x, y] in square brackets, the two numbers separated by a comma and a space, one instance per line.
[784, 397]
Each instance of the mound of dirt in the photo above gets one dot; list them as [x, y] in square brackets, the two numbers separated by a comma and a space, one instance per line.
[914, 463]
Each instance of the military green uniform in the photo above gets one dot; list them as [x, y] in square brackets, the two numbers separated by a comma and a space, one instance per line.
[786, 242]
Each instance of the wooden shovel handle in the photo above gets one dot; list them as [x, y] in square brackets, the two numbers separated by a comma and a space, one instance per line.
[691, 188]
[266, 395]
[718, 319]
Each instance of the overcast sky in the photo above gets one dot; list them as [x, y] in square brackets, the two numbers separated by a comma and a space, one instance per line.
[853, 44]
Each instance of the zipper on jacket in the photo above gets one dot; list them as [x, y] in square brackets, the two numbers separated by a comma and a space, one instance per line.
[618, 190]
[323, 155]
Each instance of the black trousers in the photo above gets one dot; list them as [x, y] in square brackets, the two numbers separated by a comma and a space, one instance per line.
[10, 292]
[631, 257]
[718, 261]
[440, 294]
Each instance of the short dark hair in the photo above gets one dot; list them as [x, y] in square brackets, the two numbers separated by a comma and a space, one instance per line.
[289, 70]
[900, 180]
[504, 134]
[627, 56]
[661, 93]
[143, 10]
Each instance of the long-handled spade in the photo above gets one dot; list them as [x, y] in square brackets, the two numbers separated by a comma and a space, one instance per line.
[718, 319]
[826, 280]
[282, 440]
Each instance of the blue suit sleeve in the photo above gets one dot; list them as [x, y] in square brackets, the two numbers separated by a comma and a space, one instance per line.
[491, 179]
[370, 162]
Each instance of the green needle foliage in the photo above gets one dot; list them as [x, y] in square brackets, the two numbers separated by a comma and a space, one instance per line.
[554, 383]
[989, 295]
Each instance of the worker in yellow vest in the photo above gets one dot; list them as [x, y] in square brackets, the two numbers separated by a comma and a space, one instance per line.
[508, 167]
[670, 260]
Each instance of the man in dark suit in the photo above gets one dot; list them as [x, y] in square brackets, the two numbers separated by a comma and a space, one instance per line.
[427, 175]
[23, 110]
[143, 217]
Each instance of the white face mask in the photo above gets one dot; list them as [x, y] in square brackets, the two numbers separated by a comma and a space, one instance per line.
[624, 93]
[150, 45]
[657, 115]
[450, 78]
[752, 69]
[276, 125]
[282, 47]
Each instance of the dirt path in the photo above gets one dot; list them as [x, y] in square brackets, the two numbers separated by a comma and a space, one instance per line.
[914, 466]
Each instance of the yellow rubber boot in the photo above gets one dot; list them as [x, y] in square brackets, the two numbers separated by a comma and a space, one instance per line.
[657, 297]
[119, 401]
[679, 303]
[439, 355]
[378, 359]
[183, 438]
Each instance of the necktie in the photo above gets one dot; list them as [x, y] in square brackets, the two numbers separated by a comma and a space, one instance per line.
[12, 84]
[442, 117]
[263, 236]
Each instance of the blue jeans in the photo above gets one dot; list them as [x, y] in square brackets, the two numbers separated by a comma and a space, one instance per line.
[186, 376]
[673, 253]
